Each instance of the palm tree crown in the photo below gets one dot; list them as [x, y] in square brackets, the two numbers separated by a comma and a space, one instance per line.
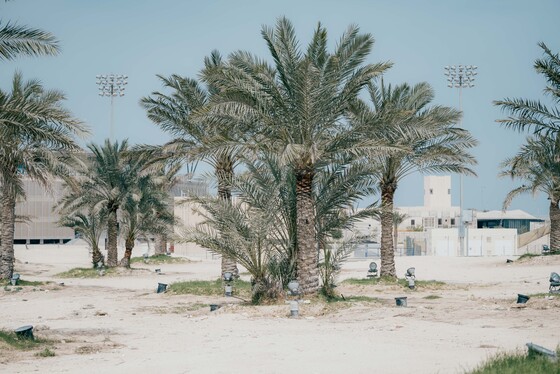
[424, 139]
[532, 114]
[298, 107]
[16, 40]
[538, 164]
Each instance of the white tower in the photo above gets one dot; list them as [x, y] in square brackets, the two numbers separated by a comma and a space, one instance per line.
[437, 192]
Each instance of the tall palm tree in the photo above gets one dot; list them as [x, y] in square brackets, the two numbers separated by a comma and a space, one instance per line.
[38, 137]
[299, 105]
[428, 142]
[532, 114]
[175, 114]
[16, 40]
[538, 164]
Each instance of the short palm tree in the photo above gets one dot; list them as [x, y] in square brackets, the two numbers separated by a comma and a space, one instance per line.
[297, 108]
[144, 211]
[538, 165]
[17, 40]
[425, 140]
[398, 218]
[38, 137]
[532, 114]
[90, 226]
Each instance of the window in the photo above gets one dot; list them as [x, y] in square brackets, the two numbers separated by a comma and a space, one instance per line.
[439, 221]
[452, 221]
[431, 191]
[411, 222]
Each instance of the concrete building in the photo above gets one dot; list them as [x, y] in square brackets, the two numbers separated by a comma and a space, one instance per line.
[432, 229]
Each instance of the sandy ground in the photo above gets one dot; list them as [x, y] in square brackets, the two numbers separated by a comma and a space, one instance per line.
[121, 325]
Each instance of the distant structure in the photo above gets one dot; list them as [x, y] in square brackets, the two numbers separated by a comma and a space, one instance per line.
[38, 223]
[433, 229]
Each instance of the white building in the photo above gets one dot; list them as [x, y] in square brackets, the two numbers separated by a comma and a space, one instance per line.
[432, 229]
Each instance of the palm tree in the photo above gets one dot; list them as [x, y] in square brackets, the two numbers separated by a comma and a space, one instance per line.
[398, 218]
[532, 114]
[241, 233]
[38, 136]
[175, 114]
[90, 226]
[104, 183]
[427, 139]
[16, 40]
[538, 164]
[144, 210]
[299, 105]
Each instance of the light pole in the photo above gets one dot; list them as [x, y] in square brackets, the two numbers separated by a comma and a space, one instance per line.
[461, 76]
[111, 85]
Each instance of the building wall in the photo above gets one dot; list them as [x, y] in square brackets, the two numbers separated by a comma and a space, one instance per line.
[41, 225]
[185, 211]
[479, 242]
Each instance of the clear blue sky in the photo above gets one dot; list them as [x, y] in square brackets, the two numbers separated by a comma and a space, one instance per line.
[143, 38]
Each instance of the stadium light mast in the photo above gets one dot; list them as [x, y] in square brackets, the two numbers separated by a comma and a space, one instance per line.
[461, 76]
[111, 85]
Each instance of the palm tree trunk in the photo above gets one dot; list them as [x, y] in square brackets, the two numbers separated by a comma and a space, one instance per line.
[554, 213]
[224, 174]
[387, 248]
[128, 245]
[7, 219]
[112, 255]
[160, 246]
[307, 252]
[97, 256]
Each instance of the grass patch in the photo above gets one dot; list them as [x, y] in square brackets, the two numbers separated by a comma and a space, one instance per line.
[159, 259]
[531, 255]
[22, 282]
[10, 338]
[432, 297]
[45, 353]
[518, 363]
[528, 255]
[387, 281]
[542, 295]
[342, 298]
[84, 273]
[210, 288]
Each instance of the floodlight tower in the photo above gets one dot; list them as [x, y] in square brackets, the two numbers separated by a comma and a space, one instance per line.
[111, 85]
[461, 76]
